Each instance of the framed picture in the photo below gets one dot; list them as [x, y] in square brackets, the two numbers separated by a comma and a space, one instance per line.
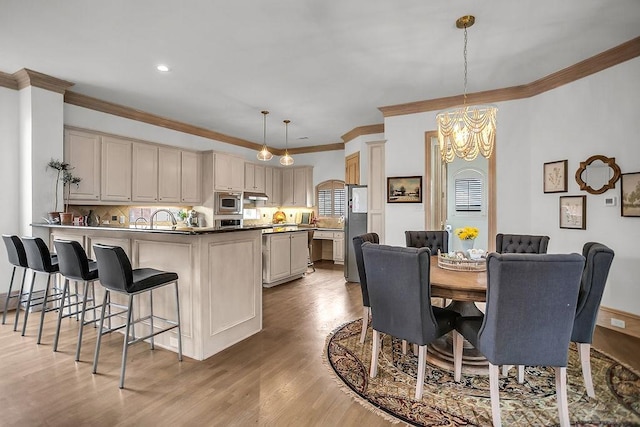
[573, 212]
[404, 189]
[630, 194]
[555, 177]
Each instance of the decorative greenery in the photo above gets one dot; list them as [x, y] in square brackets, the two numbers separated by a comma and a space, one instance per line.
[60, 167]
[467, 233]
[67, 180]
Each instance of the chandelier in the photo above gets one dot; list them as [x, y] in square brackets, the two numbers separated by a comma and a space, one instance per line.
[286, 160]
[264, 154]
[468, 130]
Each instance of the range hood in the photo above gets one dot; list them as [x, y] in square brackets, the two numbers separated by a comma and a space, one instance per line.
[255, 196]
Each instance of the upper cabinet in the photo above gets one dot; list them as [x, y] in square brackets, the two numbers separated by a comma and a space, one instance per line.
[228, 172]
[169, 174]
[82, 152]
[116, 170]
[254, 178]
[191, 178]
[144, 173]
[297, 186]
[273, 186]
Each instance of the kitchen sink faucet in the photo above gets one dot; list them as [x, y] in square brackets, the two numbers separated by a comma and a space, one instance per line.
[153, 215]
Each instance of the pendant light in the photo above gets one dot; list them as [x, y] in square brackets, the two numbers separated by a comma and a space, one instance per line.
[264, 154]
[468, 130]
[286, 160]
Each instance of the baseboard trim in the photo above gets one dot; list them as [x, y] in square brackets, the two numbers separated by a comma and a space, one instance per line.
[632, 321]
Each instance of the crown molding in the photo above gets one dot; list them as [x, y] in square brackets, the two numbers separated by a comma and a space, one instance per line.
[363, 130]
[595, 64]
[8, 81]
[27, 77]
[314, 148]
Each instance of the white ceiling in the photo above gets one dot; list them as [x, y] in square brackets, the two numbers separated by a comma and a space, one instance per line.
[325, 65]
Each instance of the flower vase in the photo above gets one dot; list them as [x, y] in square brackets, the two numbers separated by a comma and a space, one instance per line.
[467, 244]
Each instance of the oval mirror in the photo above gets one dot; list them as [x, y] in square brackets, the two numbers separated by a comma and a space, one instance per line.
[598, 174]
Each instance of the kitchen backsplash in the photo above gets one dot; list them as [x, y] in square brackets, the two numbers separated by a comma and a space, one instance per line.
[124, 216]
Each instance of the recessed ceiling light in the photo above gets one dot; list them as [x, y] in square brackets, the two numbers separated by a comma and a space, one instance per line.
[162, 68]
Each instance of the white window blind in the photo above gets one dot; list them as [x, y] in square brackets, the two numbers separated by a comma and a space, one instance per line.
[331, 198]
[468, 195]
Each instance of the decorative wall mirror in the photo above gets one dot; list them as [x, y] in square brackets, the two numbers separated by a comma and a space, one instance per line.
[598, 174]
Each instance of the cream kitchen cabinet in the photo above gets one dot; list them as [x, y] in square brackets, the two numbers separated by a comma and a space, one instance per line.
[169, 174]
[82, 152]
[228, 172]
[191, 185]
[337, 246]
[284, 257]
[297, 186]
[115, 183]
[254, 178]
[273, 186]
[144, 185]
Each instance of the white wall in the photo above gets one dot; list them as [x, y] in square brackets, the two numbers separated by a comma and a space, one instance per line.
[595, 115]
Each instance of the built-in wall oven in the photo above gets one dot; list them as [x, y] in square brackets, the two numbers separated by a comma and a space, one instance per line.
[228, 203]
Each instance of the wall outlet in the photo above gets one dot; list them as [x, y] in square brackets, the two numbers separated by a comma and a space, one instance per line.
[122, 219]
[617, 323]
[173, 342]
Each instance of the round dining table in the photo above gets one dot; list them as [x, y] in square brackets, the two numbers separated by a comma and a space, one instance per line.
[464, 289]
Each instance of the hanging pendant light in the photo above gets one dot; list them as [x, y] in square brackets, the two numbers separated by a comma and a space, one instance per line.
[264, 154]
[468, 130]
[286, 160]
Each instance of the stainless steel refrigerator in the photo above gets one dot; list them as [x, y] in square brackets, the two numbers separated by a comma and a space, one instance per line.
[355, 224]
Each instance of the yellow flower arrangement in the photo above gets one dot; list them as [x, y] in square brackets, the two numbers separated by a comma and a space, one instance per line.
[467, 233]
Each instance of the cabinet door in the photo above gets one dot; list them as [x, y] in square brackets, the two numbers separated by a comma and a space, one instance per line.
[300, 187]
[191, 177]
[228, 173]
[287, 188]
[249, 176]
[169, 174]
[82, 152]
[273, 186]
[299, 252]
[237, 173]
[338, 247]
[259, 178]
[115, 182]
[144, 173]
[280, 260]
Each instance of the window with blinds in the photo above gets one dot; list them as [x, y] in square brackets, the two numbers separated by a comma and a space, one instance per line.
[331, 198]
[468, 195]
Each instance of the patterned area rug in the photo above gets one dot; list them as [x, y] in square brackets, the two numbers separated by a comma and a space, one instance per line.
[447, 403]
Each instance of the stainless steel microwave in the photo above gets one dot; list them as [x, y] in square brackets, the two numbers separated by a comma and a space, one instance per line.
[228, 203]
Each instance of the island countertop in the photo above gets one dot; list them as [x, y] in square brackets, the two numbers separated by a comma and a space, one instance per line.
[161, 229]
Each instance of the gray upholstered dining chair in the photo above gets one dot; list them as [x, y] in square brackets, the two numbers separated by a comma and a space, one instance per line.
[357, 249]
[400, 297]
[434, 240]
[531, 304]
[594, 277]
[521, 244]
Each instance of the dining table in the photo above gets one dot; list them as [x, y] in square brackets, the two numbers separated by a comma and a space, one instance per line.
[464, 289]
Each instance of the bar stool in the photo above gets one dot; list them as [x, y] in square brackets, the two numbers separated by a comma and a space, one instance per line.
[40, 260]
[116, 275]
[74, 265]
[310, 245]
[18, 258]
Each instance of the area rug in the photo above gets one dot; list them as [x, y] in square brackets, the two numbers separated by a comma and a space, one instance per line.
[447, 403]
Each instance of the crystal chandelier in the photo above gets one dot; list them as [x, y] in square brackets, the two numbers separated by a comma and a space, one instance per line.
[470, 129]
[286, 160]
[264, 154]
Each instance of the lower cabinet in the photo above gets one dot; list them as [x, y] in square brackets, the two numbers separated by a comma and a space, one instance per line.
[336, 247]
[284, 257]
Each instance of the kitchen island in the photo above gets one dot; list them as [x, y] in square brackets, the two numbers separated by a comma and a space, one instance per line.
[220, 279]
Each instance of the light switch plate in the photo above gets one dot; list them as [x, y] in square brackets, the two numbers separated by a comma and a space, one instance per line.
[611, 201]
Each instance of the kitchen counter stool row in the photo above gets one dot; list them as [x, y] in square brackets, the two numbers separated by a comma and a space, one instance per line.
[112, 267]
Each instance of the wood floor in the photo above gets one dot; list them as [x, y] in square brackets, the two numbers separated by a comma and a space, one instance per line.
[274, 378]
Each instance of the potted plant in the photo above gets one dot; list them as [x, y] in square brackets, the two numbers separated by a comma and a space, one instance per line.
[67, 181]
[60, 167]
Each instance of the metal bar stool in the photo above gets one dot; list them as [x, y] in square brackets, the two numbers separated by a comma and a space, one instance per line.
[74, 265]
[40, 260]
[116, 275]
[18, 258]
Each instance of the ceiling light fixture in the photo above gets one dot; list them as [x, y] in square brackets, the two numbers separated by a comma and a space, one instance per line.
[470, 129]
[286, 160]
[264, 154]
[163, 68]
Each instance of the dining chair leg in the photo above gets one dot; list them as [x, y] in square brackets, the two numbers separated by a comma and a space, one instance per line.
[44, 309]
[365, 324]
[125, 346]
[520, 374]
[99, 340]
[584, 352]
[26, 311]
[404, 347]
[505, 370]
[458, 343]
[65, 289]
[374, 354]
[561, 396]
[422, 364]
[17, 316]
[494, 375]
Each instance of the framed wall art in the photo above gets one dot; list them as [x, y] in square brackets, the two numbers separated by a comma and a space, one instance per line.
[630, 194]
[573, 212]
[404, 189]
[555, 177]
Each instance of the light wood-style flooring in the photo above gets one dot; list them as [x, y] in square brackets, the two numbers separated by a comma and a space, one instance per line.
[274, 378]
